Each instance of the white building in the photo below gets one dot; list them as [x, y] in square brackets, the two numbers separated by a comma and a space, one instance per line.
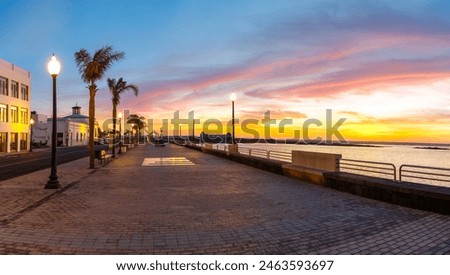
[39, 129]
[72, 130]
[15, 94]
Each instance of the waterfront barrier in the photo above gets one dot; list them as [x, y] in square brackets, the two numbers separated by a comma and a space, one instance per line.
[270, 165]
[425, 173]
[405, 174]
[330, 170]
[413, 195]
[372, 168]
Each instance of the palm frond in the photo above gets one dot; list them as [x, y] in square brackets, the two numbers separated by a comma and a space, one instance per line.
[118, 87]
[94, 68]
[82, 59]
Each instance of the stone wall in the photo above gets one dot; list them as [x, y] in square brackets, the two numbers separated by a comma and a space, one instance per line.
[414, 195]
[319, 161]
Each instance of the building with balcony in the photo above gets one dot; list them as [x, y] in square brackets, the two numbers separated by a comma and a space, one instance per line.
[15, 94]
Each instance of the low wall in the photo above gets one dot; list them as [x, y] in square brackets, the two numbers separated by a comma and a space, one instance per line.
[303, 173]
[419, 196]
[314, 160]
[310, 166]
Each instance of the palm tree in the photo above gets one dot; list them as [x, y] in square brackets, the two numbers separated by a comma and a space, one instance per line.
[92, 69]
[138, 121]
[116, 88]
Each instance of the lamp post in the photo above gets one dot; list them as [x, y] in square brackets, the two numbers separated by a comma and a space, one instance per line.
[120, 133]
[132, 135]
[232, 98]
[31, 134]
[54, 68]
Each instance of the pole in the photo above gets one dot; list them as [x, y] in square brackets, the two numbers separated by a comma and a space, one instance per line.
[232, 122]
[120, 136]
[53, 182]
[193, 130]
[31, 137]
[114, 138]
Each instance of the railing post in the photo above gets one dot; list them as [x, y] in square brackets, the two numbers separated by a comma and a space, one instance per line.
[395, 172]
[268, 154]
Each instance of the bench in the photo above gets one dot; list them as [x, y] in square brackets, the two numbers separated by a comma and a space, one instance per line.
[103, 157]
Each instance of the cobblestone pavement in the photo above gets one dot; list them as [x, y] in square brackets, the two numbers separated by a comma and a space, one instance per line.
[214, 207]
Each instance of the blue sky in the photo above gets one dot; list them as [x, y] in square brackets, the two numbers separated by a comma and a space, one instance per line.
[384, 65]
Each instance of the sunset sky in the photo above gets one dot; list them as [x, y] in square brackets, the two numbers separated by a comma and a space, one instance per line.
[382, 65]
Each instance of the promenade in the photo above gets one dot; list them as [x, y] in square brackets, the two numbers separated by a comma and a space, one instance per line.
[201, 205]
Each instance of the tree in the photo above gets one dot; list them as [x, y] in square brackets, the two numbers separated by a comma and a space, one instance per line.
[116, 88]
[138, 121]
[92, 69]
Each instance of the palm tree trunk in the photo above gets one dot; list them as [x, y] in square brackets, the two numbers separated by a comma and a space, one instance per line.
[92, 90]
[114, 130]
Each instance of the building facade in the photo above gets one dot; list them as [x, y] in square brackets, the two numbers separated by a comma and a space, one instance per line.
[72, 130]
[15, 94]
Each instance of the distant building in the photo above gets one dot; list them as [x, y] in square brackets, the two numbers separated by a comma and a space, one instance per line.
[72, 130]
[15, 94]
[40, 132]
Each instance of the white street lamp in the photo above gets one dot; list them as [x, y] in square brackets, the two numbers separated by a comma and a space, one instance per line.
[232, 98]
[54, 67]
[31, 133]
[120, 133]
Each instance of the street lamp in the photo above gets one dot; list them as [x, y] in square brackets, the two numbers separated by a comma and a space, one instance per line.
[31, 133]
[120, 133]
[232, 98]
[54, 67]
[132, 135]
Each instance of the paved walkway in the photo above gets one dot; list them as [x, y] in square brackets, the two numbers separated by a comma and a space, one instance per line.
[213, 207]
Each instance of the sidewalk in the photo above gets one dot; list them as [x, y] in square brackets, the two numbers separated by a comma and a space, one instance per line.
[22, 193]
[214, 206]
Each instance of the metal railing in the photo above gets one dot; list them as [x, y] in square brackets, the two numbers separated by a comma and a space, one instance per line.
[425, 174]
[261, 153]
[254, 152]
[419, 174]
[371, 168]
[268, 154]
[279, 155]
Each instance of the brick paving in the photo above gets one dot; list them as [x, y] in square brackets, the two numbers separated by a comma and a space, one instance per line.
[214, 207]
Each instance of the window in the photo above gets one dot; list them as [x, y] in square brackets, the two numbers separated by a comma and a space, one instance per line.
[13, 143]
[24, 115]
[23, 141]
[14, 89]
[24, 92]
[14, 114]
[3, 113]
[3, 86]
[3, 138]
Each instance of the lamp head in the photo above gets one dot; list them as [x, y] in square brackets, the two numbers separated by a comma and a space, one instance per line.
[233, 96]
[53, 66]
